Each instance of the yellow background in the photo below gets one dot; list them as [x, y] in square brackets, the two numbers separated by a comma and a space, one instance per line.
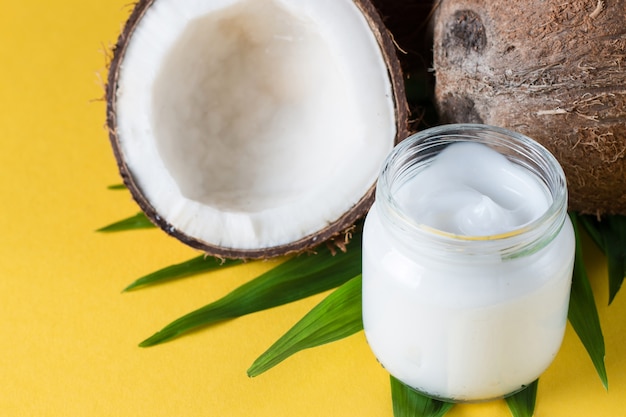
[68, 337]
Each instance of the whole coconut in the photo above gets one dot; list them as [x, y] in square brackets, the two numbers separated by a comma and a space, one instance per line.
[553, 70]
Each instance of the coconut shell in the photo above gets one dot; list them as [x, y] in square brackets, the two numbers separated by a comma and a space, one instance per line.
[337, 231]
[553, 70]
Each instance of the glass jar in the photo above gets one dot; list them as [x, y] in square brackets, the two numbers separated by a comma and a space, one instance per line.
[467, 316]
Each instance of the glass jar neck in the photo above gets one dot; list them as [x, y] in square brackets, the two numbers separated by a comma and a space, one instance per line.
[416, 153]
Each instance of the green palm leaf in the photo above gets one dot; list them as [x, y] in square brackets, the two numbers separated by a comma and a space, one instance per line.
[522, 404]
[138, 221]
[410, 403]
[591, 226]
[336, 317]
[292, 280]
[610, 236]
[188, 268]
[583, 314]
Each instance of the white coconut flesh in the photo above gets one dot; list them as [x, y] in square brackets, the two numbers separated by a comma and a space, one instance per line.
[252, 124]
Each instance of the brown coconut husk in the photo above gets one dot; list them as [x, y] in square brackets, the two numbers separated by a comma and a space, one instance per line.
[553, 70]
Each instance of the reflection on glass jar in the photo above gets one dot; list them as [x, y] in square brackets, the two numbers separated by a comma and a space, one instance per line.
[467, 262]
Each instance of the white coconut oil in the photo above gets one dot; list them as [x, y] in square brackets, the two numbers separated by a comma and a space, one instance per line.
[467, 261]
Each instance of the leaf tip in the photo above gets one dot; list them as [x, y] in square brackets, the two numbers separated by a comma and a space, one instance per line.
[258, 367]
[604, 379]
[130, 288]
[146, 343]
[154, 340]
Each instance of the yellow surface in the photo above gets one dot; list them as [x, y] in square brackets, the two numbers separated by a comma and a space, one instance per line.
[68, 337]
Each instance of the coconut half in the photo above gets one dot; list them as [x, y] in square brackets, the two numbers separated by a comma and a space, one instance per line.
[254, 128]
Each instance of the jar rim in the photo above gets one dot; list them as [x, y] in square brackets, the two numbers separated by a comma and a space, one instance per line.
[481, 133]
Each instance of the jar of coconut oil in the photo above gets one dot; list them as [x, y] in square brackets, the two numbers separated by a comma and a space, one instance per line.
[468, 255]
